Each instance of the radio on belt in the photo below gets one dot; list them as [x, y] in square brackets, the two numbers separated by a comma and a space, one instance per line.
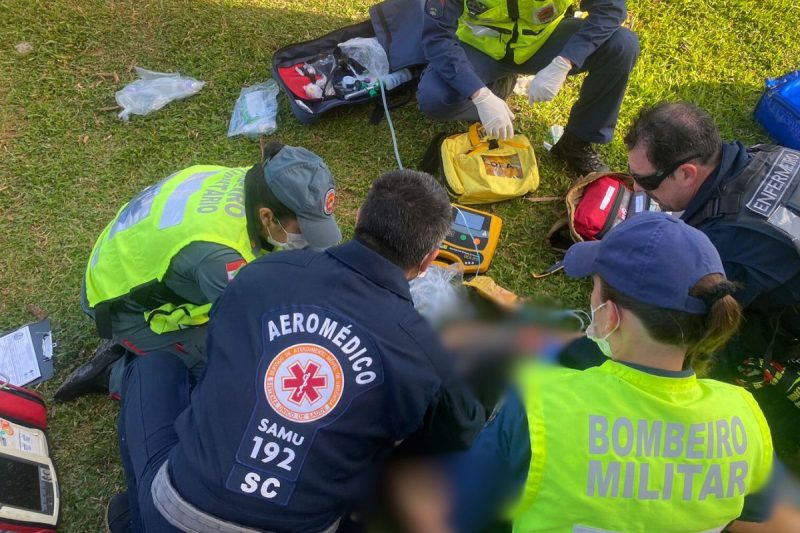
[472, 240]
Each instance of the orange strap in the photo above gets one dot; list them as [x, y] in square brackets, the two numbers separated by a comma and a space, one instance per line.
[475, 134]
[476, 139]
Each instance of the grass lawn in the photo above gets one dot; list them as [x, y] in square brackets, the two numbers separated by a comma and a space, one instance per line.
[67, 163]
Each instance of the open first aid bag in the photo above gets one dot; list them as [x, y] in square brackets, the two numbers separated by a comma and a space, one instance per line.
[481, 170]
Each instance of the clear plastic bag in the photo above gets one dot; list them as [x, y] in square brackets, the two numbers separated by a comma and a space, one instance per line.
[369, 53]
[439, 295]
[256, 111]
[154, 90]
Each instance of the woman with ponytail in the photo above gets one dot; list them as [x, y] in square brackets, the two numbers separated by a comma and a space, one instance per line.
[639, 443]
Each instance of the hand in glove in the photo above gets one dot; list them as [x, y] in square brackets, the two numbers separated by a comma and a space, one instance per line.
[494, 113]
[548, 81]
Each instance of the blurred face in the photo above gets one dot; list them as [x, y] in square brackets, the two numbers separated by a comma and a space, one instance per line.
[675, 190]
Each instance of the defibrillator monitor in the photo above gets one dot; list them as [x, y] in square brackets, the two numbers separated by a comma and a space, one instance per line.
[28, 493]
[472, 239]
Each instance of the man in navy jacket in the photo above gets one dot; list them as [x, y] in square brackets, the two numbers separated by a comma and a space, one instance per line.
[474, 49]
[318, 367]
[744, 199]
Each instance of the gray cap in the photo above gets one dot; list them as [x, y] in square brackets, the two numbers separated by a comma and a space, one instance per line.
[303, 183]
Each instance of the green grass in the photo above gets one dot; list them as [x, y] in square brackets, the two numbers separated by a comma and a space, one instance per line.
[67, 163]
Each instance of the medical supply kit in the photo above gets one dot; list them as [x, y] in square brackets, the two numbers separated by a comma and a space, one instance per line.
[477, 169]
[344, 67]
[778, 110]
[389, 68]
[595, 203]
[29, 496]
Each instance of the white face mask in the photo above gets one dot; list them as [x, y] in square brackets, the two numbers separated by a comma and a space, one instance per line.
[591, 333]
[294, 241]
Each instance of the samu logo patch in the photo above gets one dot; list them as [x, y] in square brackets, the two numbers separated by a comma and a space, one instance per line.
[330, 202]
[304, 383]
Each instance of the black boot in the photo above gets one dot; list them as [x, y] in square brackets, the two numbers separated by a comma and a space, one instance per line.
[92, 376]
[118, 514]
[578, 154]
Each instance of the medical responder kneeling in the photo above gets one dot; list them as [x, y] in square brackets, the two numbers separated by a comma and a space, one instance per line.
[475, 49]
[747, 201]
[639, 443]
[171, 251]
[318, 366]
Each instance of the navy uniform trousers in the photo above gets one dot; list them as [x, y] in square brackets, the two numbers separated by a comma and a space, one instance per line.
[594, 115]
[155, 390]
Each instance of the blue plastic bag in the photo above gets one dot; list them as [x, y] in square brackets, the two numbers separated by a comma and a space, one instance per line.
[779, 109]
[256, 111]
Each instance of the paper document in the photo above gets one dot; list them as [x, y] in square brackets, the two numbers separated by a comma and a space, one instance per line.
[18, 357]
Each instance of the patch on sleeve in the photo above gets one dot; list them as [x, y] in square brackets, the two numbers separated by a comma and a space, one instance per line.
[435, 8]
[544, 14]
[233, 267]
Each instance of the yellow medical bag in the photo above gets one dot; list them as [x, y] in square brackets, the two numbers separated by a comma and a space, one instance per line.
[481, 170]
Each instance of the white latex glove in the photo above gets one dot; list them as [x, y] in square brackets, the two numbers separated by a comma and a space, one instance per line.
[548, 81]
[495, 115]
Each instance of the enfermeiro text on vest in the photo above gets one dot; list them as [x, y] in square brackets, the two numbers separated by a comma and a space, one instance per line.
[772, 188]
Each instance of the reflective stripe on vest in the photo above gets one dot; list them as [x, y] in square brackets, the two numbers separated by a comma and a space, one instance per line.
[510, 28]
[617, 449]
[200, 203]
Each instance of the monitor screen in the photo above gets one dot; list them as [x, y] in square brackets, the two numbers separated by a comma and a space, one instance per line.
[470, 220]
[20, 484]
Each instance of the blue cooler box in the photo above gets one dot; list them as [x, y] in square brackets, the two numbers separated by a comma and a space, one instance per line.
[779, 109]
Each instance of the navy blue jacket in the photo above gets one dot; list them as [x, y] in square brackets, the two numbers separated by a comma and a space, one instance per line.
[444, 52]
[767, 268]
[318, 365]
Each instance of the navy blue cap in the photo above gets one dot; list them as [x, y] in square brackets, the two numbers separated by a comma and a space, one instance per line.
[653, 258]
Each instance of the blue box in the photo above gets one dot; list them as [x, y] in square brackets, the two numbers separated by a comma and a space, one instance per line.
[779, 109]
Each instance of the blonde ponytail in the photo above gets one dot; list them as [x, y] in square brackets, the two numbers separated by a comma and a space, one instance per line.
[722, 320]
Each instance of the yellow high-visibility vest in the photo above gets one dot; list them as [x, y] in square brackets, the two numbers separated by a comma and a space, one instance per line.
[514, 27]
[200, 203]
[618, 449]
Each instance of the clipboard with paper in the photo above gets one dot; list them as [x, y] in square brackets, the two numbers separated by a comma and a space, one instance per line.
[26, 354]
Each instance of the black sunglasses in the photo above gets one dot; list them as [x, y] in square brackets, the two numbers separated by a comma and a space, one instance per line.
[653, 181]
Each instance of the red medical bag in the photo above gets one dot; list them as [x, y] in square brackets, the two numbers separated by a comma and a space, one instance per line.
[29, 499]
[603, 205]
